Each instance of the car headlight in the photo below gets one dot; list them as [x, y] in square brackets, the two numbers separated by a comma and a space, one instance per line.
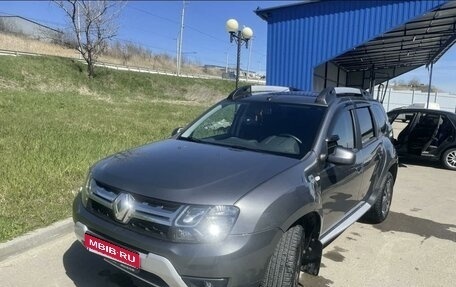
[204, 223]
[85, 190]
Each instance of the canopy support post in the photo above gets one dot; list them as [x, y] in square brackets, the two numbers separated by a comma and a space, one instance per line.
[430, 83]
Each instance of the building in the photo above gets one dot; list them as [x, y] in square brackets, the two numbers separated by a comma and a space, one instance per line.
[316, 44]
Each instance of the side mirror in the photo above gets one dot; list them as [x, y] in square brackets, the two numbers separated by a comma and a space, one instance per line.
[331, 142]
[176, 131]
[342, 156]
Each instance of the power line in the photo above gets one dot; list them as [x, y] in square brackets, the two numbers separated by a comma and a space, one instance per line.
[60, 25]
[152, 14]
[63, 26]
[159, 48]
[150, 32]
[153, 33]
[176, 22]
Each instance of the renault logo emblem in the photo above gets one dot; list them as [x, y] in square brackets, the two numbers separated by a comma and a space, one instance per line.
[124, 207]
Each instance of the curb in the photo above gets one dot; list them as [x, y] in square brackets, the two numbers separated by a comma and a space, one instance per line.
[35, 238]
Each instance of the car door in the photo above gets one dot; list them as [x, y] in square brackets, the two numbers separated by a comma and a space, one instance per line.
[340, 183]
[371, 152]
[423, 133]
[403, 122]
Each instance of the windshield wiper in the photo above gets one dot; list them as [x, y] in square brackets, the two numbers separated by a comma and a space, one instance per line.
[191, 139]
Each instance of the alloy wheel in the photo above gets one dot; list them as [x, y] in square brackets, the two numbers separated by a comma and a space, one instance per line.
[386, 196]
[451, 159]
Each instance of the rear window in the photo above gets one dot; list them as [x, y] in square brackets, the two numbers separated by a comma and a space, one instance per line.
[380, 118]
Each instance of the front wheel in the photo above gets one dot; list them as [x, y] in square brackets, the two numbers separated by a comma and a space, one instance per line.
[449, 159]
[379, 211]
[285, 264]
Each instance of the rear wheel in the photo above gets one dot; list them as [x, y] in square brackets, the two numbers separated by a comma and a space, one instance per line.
[379, 211]
[285, 264]
[449, 159]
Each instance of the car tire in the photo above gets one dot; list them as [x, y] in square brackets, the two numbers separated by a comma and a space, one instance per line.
[449, 159]
[285, 264]
[379, 211]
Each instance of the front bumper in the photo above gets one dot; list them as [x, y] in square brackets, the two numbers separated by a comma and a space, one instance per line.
[241, 259]
[151, 263]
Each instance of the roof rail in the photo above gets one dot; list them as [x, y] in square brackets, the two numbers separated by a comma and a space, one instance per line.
[246, 91]
[330, 94]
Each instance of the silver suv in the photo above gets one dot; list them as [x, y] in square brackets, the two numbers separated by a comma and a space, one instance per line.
[246, 195]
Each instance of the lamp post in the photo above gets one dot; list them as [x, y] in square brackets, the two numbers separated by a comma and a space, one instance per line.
[240, 37]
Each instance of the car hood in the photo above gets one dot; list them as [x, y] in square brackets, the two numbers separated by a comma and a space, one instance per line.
[188, 172]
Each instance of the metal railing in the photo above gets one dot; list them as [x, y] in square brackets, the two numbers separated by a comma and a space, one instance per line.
[402, 98]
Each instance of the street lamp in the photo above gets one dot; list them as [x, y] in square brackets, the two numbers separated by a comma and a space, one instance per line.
[240, 37]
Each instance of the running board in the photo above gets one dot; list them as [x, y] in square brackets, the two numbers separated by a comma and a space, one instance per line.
[360, 210]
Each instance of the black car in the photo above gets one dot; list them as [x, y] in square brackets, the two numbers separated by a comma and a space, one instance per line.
[425, 133]
[247, 195]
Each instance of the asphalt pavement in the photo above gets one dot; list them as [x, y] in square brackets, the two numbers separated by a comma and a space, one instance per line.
[415, 246]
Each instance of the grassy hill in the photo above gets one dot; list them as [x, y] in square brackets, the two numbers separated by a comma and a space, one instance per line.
[55, 122]
[126, 54]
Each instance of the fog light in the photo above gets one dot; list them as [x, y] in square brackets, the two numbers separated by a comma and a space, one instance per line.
[205, 282]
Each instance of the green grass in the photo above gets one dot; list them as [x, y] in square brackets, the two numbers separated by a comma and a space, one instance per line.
[55, 123]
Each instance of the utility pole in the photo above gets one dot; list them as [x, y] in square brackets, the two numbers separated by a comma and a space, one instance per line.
[250, 55]
[181, 35]
[177, 53]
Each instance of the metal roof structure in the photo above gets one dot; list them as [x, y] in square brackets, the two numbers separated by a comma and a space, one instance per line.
[365, 42]
[416, 43]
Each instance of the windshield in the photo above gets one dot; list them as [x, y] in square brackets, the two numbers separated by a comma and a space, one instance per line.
[285, 129]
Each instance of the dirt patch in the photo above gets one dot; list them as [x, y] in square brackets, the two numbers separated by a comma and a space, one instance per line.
[203, 94]
[6, 84]
[179, 102]
[85, 91]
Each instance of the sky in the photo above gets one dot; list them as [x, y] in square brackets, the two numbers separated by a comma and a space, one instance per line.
[155, 25]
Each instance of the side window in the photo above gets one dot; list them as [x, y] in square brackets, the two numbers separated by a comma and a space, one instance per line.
[445, 131]
[380, 118]
[365, 124]
[343, 127]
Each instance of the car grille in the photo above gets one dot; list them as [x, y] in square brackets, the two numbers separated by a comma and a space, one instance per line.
[151, 217]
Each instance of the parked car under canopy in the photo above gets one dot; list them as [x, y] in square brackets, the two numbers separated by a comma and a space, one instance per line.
[425, 133]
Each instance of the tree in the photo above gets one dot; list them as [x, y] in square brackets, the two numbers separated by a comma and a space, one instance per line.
[93, 24]
[415, 82]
